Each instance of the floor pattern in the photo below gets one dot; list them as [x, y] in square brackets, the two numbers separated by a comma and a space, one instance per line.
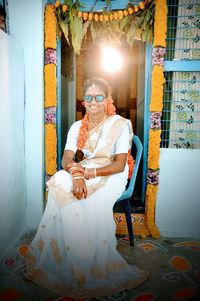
[173, 263]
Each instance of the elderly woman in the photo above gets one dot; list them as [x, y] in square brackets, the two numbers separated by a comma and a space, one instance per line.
[74, 251]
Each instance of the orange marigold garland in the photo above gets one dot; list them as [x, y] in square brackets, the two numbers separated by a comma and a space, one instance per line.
[110, 109]
[130, 162]
[83, 134]
[154, 149]
[50, 149]
[50, 93]
[134, 20]
[160, 25]
[106, 15]
[50, 24]
[156, 104]
[50, 85]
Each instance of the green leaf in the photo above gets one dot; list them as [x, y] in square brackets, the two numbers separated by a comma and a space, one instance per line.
[77, 31]
[65, 29]
[124, 23]
[131, 34]
[149, 36]
[85, 26]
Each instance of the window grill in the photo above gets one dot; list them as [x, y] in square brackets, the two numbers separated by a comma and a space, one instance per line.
[181, 110]
[181, 103]
[183, 35]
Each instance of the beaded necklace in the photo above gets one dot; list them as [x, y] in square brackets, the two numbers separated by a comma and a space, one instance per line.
[99, 127]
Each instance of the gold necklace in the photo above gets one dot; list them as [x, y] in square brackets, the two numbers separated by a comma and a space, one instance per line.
[95, 124]
[92, 148]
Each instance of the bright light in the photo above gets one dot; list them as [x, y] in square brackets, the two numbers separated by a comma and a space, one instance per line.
[112, 60]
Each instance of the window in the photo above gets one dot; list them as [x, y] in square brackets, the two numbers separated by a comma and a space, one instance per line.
[181, 108]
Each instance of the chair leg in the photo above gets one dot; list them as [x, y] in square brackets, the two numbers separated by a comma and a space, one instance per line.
[127, 210]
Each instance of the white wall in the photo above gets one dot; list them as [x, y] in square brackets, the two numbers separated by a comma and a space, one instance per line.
[26, 26]
[178, 199]
[12, 154]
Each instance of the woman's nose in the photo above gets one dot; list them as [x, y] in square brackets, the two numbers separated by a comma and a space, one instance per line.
[93, 100]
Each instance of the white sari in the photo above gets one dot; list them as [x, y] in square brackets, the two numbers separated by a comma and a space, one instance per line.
[74, 250]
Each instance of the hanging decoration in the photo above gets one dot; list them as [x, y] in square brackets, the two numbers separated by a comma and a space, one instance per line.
[134, 22]
[156, 104]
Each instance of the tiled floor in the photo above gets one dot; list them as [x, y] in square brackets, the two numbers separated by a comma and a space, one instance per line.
[173, 263]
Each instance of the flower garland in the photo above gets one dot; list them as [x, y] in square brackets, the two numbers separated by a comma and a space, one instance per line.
[156, 104]
[106, 16]
[83, 134]
[50, 96]
[107, 25]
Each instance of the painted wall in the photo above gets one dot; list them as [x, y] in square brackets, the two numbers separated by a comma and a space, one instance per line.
[26, 26]
[12, 153]
[178, 199]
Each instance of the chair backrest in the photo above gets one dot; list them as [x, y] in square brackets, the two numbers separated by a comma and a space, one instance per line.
[139, 148]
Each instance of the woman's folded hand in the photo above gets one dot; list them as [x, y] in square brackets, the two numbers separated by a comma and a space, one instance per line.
[79, 189]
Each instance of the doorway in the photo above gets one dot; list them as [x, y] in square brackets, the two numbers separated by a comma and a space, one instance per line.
[128, 92]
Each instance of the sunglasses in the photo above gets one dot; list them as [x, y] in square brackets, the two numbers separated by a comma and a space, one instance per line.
[89, 98]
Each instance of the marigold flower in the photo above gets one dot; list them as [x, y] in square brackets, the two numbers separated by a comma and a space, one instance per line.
[50, 27]
[96, 17]
[160, 24]
[101, 18]
[136, 8]
[83, 132]
[115, 16]
[120, 14]
[50, 85]
[51, 148]
[64, 8]
[130, 10]
[141, 5]
[158, 80]
[154, 149]
[106, 18]
[130, 162]
[85, 16]
[125, 12]
[80, 14]
[90, 16]
[111, 17]
[57, 3]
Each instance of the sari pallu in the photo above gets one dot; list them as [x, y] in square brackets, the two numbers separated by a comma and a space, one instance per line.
[74, 250]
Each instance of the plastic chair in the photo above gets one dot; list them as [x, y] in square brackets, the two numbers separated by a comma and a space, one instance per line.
[126, 195]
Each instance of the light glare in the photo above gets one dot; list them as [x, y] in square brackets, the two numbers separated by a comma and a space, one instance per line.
[112, 60]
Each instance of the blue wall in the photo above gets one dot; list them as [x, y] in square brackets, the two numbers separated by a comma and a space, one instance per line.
[12, 147]
[26, 23]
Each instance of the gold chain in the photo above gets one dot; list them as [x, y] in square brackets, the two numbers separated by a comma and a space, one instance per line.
[100, 134]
